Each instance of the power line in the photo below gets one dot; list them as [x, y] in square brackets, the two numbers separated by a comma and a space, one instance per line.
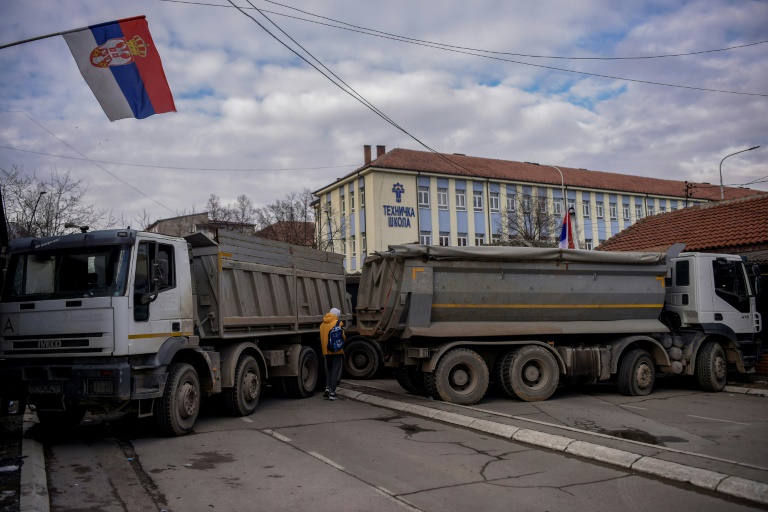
[370, 31]
[148, 166]
[346, 87]
[86, 158]
[457, 49]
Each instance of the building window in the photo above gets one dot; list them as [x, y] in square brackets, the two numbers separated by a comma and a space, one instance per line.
[526, 203]
[511, 202]
[352, 246]
[495, 238]
[351, 201]
[480, 240]
[343, 206]
[494, 198]
[639, 212]
[588, 244]
[662, 209]
[557, 207]
[571, 205]
[423, 197]
[585, 209]
[626, 212]
[442, 198]
[425, 238]
[445, 239]
[462, 240]
[599, 209]
[650, 210]
[362, 198]
[461, 200]
[477, 200]
[614, 212]
[363, 243]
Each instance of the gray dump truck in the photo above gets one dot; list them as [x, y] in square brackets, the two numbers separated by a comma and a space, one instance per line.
[123, 320]
[454, 320]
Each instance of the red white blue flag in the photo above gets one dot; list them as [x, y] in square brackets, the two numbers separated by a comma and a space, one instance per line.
[566, 234]
[120, 63]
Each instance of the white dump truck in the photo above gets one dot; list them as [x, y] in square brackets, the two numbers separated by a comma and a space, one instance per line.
[123, 320]
[453, 320]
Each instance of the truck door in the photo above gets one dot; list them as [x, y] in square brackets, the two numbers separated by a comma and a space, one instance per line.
[156, 301]
[732, 304]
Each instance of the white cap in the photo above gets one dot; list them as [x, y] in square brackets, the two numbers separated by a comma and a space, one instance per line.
[335, 312]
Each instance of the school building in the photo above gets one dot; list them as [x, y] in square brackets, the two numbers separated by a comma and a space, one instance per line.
[406, 196]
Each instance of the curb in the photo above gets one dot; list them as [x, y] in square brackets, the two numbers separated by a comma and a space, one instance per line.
[33, 492]
[746, 391]
[710, 480]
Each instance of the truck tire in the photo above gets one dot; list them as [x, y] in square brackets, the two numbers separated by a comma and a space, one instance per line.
[243, 397]
[361, 359]
[429, 385]
[411, 379]
[179, 406]
[637, 373]
[498, 381]
[303, 385]
[67, 419]
[461, 377]
[530, 373]
[711, 371]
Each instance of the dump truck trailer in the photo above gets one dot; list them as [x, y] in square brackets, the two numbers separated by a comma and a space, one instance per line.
[454, 320]
[124, 320]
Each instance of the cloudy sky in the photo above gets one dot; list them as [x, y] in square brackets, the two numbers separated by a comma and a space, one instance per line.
[253, 118]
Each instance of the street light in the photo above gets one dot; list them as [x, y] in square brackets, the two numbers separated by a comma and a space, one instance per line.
[32, 218]
[722, 192]
[562, 184]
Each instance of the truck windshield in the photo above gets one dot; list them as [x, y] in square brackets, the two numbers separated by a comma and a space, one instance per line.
[67, 273]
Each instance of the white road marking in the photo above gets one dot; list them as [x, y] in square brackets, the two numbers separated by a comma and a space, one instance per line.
[715, 419]
[388, 494]
[277, 436]
[327, 461]
[247, 420]
[634, 407]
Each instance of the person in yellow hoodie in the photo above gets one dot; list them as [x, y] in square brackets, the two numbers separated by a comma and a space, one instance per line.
[333, 360]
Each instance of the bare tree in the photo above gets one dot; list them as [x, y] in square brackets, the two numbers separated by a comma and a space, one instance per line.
[331, 229]
[242, 213]
[37, 207]
[290, 220]
[217, 211]
[528, 222]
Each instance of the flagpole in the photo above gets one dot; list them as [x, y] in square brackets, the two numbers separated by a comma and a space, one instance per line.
[69, 31]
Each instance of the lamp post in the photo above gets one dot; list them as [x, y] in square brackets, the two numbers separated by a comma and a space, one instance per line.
[32, 218]
[722, 192]
[562, 184]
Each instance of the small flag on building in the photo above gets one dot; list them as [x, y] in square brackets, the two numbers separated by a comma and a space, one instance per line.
[120, 63]
[566, 234]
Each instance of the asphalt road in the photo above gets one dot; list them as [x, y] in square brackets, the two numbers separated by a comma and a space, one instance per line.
[343, 456]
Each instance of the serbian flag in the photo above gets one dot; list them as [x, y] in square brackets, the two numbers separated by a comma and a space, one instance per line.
[120, 63]
[566, 234]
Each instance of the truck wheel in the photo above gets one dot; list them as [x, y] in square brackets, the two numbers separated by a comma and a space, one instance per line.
[243, 397]
[461, 377]
[303, 385]
[498, 380]
[429, 385]
[530, 373]
[180, 404]
[361, 359]
[636, 373]
[69, 418]
[411, 379]
[710, 367]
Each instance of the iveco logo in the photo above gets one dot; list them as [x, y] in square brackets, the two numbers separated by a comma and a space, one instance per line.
[49, 344]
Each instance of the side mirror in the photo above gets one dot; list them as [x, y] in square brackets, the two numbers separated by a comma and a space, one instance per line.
[755, 270]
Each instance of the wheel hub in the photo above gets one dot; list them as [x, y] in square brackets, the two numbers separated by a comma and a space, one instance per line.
[531, 373]
[643, 376]
[719, 368]
[359, 360]
[460, 378]
[251, 386]
[188, 402]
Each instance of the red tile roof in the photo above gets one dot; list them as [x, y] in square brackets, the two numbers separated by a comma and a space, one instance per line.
[477, 167]
[738, 223]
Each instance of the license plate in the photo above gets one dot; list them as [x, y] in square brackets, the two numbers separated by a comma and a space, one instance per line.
[45, 388]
